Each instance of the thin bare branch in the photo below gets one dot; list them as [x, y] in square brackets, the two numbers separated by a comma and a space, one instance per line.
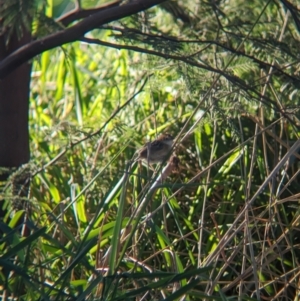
[79, 13]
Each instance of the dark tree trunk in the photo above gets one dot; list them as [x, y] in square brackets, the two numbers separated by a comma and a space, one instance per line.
[14, 104]
[14, 135]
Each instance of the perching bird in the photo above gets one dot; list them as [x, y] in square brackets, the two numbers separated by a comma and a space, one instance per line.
[156, 151]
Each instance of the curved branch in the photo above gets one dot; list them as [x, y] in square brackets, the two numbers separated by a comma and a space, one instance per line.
[71, 34]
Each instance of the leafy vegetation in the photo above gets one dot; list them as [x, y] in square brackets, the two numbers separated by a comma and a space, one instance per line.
[221, 76]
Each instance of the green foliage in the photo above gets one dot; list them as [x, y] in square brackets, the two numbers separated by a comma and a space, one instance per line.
[17, 16]
[224, 226]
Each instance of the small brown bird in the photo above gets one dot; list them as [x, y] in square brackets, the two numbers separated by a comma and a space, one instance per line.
[156, 151]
